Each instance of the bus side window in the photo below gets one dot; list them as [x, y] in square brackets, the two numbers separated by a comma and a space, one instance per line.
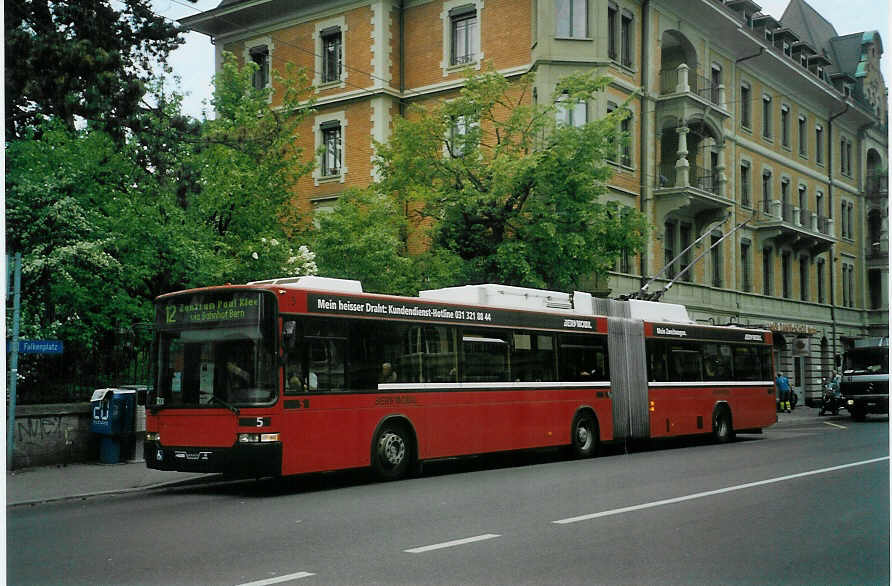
[656, 363]
[294, 371]
[486, 356]
[747, 363]
[687, 364]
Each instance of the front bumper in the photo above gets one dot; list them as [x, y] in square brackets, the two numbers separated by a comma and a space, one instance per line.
[867, 403]
[253, 459]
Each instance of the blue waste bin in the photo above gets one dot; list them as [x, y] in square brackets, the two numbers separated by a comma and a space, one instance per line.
[112, 413]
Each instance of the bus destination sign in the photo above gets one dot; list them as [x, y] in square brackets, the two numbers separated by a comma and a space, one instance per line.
[397, 309]
[209, 309]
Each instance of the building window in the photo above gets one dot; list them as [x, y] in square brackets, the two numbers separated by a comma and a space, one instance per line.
[685, 261]
[846, 220]
[819, 144]
[803, 137]
[332, 54]
[766, 192]
[845, 157]
[572, 18]
[331, 143]
[767, 272]
[785, 125]
[819, 277]
[715, 253]
[611, 151]
[571, 113]
[766, 117]
[458, 136]
[803, 205]
[848, 285]
[745, 200]
[803, 277]
[844, 284]
[465, 35]
[746, 279]
[715, 82]
[625, 128]
[875, 287]
[626, 38]
[786, 208]
[260, 56]
[745, 106]
[624, 263]
[669, 248]
[612, 12]
[786, 277]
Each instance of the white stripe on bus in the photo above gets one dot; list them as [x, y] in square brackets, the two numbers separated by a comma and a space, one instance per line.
[474, 386]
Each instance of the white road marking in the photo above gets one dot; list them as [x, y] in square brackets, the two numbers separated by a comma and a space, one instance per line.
[713, 492]
[279, 579]
[451, 543]
[834, 425]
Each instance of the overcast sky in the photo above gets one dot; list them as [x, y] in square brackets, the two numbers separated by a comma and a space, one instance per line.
[194, 61]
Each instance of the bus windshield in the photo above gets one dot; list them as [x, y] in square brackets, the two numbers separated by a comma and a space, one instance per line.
[216, 350]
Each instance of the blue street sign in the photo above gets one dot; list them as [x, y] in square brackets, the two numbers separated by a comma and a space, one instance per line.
[37, 346]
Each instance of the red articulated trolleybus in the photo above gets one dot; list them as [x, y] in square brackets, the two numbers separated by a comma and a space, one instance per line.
[308, 374]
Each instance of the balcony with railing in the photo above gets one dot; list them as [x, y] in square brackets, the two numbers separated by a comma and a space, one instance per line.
[798, 228]
[691, 189]
[684, 91]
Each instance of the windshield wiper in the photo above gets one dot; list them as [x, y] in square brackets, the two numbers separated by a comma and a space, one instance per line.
[229, 406]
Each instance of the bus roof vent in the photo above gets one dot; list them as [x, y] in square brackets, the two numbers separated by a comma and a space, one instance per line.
[652, 311]
[315, 283]
[506, 296]
[656, 311]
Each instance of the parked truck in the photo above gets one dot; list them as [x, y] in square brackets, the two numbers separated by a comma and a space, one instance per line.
[865, 377]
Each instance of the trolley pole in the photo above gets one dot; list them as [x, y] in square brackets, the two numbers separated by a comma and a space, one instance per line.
[14, 353]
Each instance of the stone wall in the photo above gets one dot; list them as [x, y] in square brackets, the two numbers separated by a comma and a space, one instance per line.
[53, 434]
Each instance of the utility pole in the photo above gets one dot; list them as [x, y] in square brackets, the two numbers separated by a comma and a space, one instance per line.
[14, 352]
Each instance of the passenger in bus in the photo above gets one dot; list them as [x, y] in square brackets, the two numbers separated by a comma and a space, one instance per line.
[388, 374]
[294, 384]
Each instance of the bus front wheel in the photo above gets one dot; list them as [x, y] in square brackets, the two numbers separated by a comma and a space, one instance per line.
[584, 435]
[392, 452]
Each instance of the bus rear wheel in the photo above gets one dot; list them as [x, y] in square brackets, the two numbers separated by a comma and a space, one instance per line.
[722, 429]
[391, 452]
[584, 435]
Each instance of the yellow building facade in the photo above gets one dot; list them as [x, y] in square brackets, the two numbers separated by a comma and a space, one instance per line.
[757, 149]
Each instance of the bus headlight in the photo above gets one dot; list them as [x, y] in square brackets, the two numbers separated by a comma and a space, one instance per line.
[257, 438]
[153, 436]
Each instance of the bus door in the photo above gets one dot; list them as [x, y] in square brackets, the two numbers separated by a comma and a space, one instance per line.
[320, 430]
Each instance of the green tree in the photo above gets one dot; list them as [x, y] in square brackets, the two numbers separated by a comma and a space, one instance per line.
[90, 59]
[106, 226]
[364, 238]
[510, 190]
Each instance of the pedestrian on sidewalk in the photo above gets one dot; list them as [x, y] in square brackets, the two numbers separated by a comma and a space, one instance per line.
[783, 392]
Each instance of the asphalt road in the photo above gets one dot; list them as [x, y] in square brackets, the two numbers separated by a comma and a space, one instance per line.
[806, 503]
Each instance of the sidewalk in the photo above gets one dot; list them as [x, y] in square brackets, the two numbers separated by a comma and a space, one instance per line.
[53, 483]
[74, 481]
